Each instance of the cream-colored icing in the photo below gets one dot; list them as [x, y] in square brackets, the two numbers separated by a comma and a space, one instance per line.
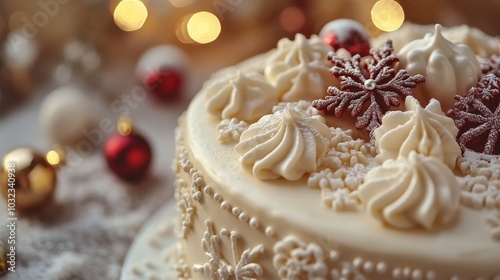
[449, 68]
[284, 207]
[427, 131]
[480, 43]
[239, 95]
[299, 69]
[288, 144]
[266, 212]
[230, 130]
[409, 192]
[295, 259]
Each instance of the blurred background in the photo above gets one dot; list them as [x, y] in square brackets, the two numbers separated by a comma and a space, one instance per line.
[226, 32]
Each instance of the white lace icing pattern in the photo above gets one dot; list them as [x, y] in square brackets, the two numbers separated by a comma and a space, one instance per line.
[409, 192]
[295, 259]
[449, 68]
[427, 131]
[288, 144]
[238, 95]
[299, 69]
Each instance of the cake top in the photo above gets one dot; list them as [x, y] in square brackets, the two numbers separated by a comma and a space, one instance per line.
[408, 135]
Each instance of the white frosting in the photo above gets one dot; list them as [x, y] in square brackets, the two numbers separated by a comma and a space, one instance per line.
[299, 69]
[238, 95]
[449, 68]
[409, 192]
[427, 131]
[288, 144]
[480, 43]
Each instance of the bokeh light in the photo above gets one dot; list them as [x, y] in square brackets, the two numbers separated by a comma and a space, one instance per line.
[181, 3]
[387, 15]
[204, 27]
[292, 19]
[124, 126]
[53, 158]
[181, 30]
[130, 15]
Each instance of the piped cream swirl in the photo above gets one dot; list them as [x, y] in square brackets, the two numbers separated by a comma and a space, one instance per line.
[427, 131]
[288, 144]
[411, 191]
[299, 69]
[449, 68]
[238, 95]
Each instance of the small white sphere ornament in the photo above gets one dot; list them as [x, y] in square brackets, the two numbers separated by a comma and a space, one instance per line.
[162, 56]
[67, 115]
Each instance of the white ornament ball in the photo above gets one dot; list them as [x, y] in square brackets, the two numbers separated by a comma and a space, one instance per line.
[67, 116]
[161, 56]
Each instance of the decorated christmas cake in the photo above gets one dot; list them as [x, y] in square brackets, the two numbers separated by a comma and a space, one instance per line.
[313, 162]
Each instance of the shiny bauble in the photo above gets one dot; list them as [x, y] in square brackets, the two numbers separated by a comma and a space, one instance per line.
[346, 34]
[27, 179]
[128, 156]
[162, 71]
[165, 84]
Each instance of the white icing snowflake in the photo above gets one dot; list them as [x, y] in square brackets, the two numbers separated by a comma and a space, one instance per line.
[217, 266]
[479, 192]
[231, 129]
[325, 179]
[303, 105]
[494, 221]
[340, 199]
[346, 151]
[338, 189]
[474, 165]
[295, 259]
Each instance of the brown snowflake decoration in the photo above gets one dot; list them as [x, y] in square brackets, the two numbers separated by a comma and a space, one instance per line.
[368, 90]
[477, 116]
[490, 65]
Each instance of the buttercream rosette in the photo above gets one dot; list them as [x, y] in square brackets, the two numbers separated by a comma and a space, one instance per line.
[299, 69]
[427, 131]
[411, 191]
[449, 68]
[239, 95]
[288, 144]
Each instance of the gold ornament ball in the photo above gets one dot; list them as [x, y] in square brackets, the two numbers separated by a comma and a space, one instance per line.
[30, 175]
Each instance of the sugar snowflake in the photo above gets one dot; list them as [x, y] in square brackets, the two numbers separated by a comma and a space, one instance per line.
[477, 116]
[375, 82]
[490, 65]
[217, 267]
[231, 129]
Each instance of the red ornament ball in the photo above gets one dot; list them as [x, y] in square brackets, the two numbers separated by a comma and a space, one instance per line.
[347, 34]
[165, 84]
[128, 156]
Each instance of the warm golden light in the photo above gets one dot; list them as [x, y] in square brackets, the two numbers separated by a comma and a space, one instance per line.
[180, 3]
[130, 15]
[181, 30]
[53, 158]
[204, 27]
[124, 126]
[387, 15]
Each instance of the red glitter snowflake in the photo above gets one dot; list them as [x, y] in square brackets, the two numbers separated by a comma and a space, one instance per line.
[375, 82]
[477, 116]
[490, 65]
